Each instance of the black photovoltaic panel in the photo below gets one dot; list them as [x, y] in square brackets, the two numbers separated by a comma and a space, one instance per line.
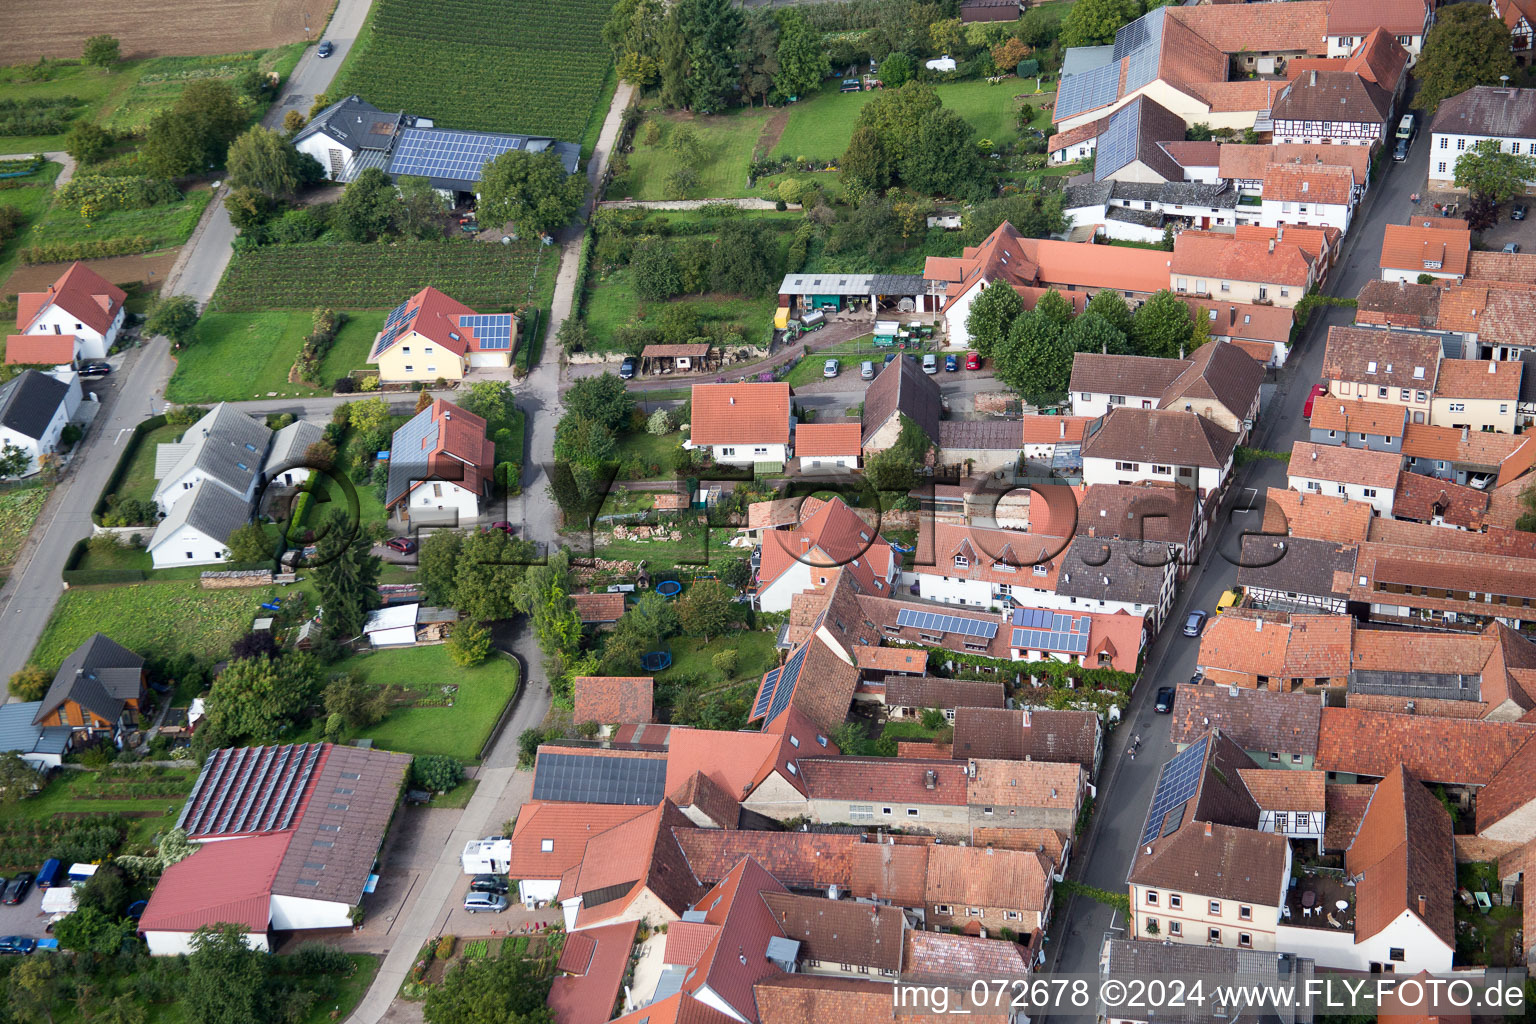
[1144, 31]
[1177, 783]
[432, 153]
[765, 697]
[397, 323]
[1117, 146]
[249, 789]
[492, 330]
[1088, 90]
[785, 687]
[946, 623]
[1051, 640]
[589, 779]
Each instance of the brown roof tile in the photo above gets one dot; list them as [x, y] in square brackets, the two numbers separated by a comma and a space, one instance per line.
[897, 872]
[1416, 249]
[1040, 840]
[1212, 257]
[1317, 516]
[1400, 359]
[1243, 322]
[889, 779]
[1346, 803]
[599, 607]
[1501, 266]
[941, 955]
[1512, 788]
[1218, 371]
[1479, 378]
[1359, 17]
[1477, 447]
[1249, 162]
[1358, 416]
[1425, 498]
[902, 388]
[801, 860]
[1339, 95]
[1433, 749]
[1220, 861]
[987, 877]
[1163, 436]
[609, 700]
[935, 692]
[1124, 375]
[703, 793]
[840, 931]
[1259, 720]
[813, 999]
[1344, 465]
[1488, 110]
[1399, 303]
[1281, 789]
[1403, 851]
[1298, 25]
[1043, 784]
[1147, 511]
[1314, 183]
[1068, 736]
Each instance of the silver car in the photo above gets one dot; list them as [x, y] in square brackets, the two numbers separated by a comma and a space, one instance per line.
[476, 902]
[867, 371]
[831, 368]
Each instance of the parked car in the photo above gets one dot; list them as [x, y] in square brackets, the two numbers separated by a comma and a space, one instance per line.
[1510, 248]
[830, 368]
[889, 357]
[1400, 151]
[477, 902]
[930, 363]
[17, 944]
[1518, 213]
[867, 370]
[627, 368]
[1194, 623]
[1318, 391]
[973, 361]
[18, 888]
[326, 49]
[95, 369]
[503, 526]
[1164, 705]
[489, 883]
[951, 363]
[404, 545]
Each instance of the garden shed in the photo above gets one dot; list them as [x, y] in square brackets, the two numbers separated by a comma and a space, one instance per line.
[678, 358]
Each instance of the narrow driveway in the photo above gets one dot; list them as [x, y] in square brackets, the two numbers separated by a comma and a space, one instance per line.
[66, 162]
[1125, 786]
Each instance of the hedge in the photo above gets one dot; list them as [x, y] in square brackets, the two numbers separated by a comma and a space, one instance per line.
[529, 330]
[62, 252]
[118, 471]
[86, 577]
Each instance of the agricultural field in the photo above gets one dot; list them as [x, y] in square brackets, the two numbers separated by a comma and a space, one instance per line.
[493, 65]
[34, 28]
[162, 226]
[148, 798]
[151, 618]
[30, 196]
[241, 356]
[486, 277]
[18, 511]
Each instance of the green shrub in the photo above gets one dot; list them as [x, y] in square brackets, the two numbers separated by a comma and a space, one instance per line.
[444, 948]
[436, 772]
[92, 194]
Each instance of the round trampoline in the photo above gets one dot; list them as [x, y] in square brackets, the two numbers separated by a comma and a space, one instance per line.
[655, 661]
[669, 588]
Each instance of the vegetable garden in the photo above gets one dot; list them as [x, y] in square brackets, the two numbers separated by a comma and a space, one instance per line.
[493, 65]
[365, 275]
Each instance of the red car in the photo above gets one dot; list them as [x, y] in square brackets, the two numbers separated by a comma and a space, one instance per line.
[972, 361]
[404, 545]
[1317, 391]
[504, 527]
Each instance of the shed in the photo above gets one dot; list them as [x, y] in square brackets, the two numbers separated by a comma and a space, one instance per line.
[678, 358]
[392, 627]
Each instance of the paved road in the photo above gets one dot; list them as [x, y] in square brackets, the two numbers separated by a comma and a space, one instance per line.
[1125, 786]
[66, 162]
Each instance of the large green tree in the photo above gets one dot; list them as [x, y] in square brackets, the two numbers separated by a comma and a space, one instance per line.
[603, 399]
[1031, 214]
[88, 930]
[633, 32]
[705, 611]
[489, 566]
[225, 978]
[504, 990]
[943, 160]
[175, 317]
[802, 58]
[264, 160]
[437, 564]
[649, 621]
[253, 699]
[346, 576]
[421, 208]
[1162, 326]
[713, 29]
[1488, 172]
[1095, 22]
[865, 165]
[1036, 361]
[894, 116]
[992, 316]
[1112, 308]
[195, 133]
[368, 207]
[1466, 47]
[745, 259]
[531, 190]
[1092, 333]
[759, 57]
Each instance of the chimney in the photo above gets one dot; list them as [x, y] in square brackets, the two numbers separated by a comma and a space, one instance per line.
[1208, 832]
[1271, 245]
[1421, 895]
[1314, 455]
[1258, 625]
[1063, 429]
[1026, 718]
[1493, 367]
[989, 853]
[1466, 434]
[1314, 78]
[930, 779]
[733, 399]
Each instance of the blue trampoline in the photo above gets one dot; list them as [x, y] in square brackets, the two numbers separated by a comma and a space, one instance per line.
[669, 588]
[655, 661]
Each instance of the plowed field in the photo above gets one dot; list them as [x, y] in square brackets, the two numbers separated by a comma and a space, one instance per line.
[154, 28]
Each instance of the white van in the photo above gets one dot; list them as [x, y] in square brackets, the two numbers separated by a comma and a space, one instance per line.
[1405, 127]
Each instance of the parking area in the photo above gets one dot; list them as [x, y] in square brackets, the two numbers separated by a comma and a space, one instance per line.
[25, 918]
[1507, 229]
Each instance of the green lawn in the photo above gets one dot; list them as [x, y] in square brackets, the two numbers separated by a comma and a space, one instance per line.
[690, 552]
[18, 511]
[73, 792]
[727, 141]
[31, 200]
[151, 618]
[165, 226]
[611, 303]
[458, 731]
[240, 356]
[139, 479]
[648, 449]
[67, 78]
[755, 654]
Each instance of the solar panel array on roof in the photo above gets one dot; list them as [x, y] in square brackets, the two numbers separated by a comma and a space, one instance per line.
[1088, 91]
[1117, 146]
[946, 623]
[249, 789]
[397, 323]
[458, 156]
[765, 696]
[492, 330]
[1144, 31]
[1176, 785]
[1041, 629]
[1051, 640]
[784, 688]
[591, 779]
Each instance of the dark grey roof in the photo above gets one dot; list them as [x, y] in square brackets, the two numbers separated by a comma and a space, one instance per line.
[1528, 375]
[1077, 59]
[1301, 565]
[596, 779]
[1251, 969]
[410, 451]
[249, 789]
[1133, 134]
[289, 445]
[1422, 685]
[993, 435]
[1097, 569]
[207, 508]
[28, 402]
[902, 387]
[1187, 193]
[898, 284]
[1332, 96]
[225, 444]
[356, 124]
[19, 732]
[1488, 110]
[1093, 193]
[99, 675]
[1145, 218]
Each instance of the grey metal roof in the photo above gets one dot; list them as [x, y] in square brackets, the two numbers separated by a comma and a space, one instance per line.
[828, 284]
[28, 402]
[99, 675]
[168, 456]
[356, 124]
[362, 160]
[1424, 685]
[898, 284]
[595, 779]
[1100, 569]
[207, 508]
[289, 445]
[19, 733]
[225, 444]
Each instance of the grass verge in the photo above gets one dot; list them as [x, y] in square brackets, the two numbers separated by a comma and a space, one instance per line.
[18, 512]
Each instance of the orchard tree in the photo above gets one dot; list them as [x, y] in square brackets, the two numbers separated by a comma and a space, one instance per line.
[102, 51]
[531, 190]
[437, 562]
[896, 70]
[603, 399]
[18, 779]
[1095, 22]
[503, 990]
[421, 210]
[469, 645]
[1466, 47]
[368, 207]
[30, 683]
[705, 610]
[865, 165]
[655, 271]
[488, 569]
[88, 142]
[895, 114]
[174, 316]
[254, 699]
[195, 133]
[226, 978]
[992, 316]
[745, 259]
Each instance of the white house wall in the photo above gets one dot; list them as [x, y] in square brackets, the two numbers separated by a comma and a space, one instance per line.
[177, 943]
[1274, 212]
[295, 913]
[92, 344]
[174, 549]
[538, 890]
[776, 596]
[1423, 949]
[1379, 498]
[749, 454]
[446, 496]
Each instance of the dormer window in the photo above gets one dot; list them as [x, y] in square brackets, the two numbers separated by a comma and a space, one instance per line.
[1003, 567]
[1040, 570]
[961, 562]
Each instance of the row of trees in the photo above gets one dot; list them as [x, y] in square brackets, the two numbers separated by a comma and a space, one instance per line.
[1033, 349]
[906, 136]
[743, 259]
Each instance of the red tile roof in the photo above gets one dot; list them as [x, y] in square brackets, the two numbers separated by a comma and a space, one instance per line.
[39, 349]
[1216, 860]
[678, 1008]
[1299, 25]
[599, 607]
[1309, 183]
[827, 439]
[817, 999]
[941, 955]
[459, 452]
[781, 512]
[885, 778]
[736, 957]
[1404, 855]
[987, 877]
[591, 973]
[835, 536]
[1415, 249]
[1214, 258]
[751, 413]
[1346, 805]
[1054, 429]
[80, 292]
[1356, 415]
[840, 931]
[687, 941]
[1344, 465]
[610, 700]
[1494, 379]
[1442, 750]
[1248, 163]
[1278, 789]
[1242, 321]
[1425, 498]
[732, 760]
[1071, 736]
[1360, 17]
[567, 828]
[1393, 359]
[228, 882]
[642, 854]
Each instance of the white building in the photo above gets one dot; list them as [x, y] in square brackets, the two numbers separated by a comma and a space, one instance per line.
[198, 527]
[440, 466]
[1483, 112]
[1351, 21]
[1313, 195]
[1355, 474]
[226, 448]
[34, 410]
[81, 303]
[1130, 445]
[743, 424]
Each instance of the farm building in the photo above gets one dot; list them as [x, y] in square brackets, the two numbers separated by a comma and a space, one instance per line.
[870, 293]
[352, 135]
[991, 10]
